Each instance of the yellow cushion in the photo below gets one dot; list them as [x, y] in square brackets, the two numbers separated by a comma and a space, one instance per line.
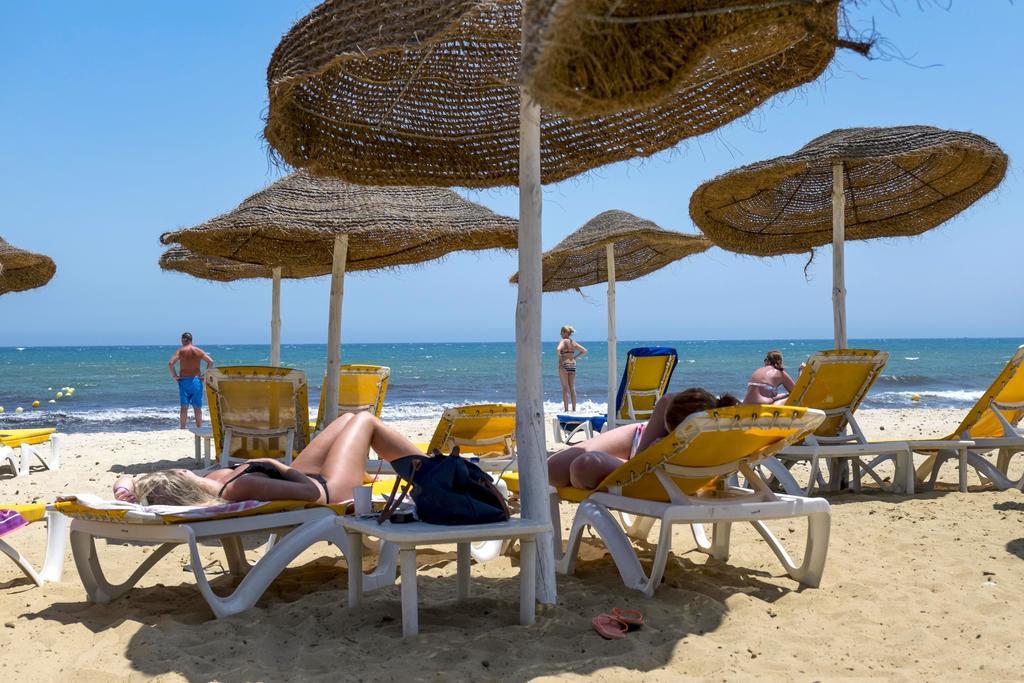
[32, 437]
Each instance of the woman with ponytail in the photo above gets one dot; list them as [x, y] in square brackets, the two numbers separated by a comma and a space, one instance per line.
[586, 464]
[764, 383]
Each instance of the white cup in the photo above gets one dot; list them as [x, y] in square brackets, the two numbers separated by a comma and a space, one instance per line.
[361, 498]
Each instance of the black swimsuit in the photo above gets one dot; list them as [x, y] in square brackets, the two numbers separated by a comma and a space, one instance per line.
[271, 472]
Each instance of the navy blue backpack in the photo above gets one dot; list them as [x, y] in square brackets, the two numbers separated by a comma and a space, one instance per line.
[447, 489]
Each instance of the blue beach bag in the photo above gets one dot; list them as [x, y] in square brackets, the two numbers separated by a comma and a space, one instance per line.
[447, 489]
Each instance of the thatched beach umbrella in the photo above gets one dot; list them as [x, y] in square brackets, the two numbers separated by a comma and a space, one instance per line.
[598, 57]
[325, 225]
[21, 270]
[611, 247]
[427, 93]
[179, 259]
[855, 183]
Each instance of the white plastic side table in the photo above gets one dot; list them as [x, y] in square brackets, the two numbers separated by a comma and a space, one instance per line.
[408, 536]
[203, 436]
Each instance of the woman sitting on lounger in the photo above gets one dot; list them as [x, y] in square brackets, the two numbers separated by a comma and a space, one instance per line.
[586, 464]
[764, 383]
[325, 471]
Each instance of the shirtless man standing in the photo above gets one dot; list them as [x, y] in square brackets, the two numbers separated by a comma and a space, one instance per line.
[189, 378]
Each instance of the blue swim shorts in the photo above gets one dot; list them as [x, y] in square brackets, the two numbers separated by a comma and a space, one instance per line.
[190, 389]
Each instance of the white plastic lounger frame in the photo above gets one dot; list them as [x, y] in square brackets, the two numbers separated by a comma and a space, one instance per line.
[53, 561]
[745, 505]
[298, 529]
[19, 458]
[847, 447]
[729, 504]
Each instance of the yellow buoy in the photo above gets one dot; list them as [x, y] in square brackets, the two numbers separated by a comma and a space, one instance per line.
[35, 404]
[915, 397]
[19, 409]
[60, 394]
[1, 409]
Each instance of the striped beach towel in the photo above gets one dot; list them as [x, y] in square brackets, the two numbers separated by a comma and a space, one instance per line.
[11, 520]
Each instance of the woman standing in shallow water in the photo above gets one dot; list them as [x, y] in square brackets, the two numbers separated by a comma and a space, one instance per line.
[764, 383]
[568, 351]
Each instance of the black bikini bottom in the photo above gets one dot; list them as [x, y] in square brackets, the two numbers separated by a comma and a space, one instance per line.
[323, 483]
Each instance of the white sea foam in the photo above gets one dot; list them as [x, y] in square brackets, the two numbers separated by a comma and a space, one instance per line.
[951, 398]
[912, 358]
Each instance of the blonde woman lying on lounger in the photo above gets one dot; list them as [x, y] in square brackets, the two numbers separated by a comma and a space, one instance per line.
[325, 471]
[586, 464]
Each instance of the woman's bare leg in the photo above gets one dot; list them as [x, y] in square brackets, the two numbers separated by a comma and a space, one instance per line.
[312, 457]
[615, 443]
[563, 377]
[572, 389]
[345, 464]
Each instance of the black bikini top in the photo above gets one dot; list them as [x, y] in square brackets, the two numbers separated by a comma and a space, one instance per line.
[252, 468]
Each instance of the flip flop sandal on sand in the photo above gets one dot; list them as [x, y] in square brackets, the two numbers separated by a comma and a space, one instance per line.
[608, 627]
[632, 618]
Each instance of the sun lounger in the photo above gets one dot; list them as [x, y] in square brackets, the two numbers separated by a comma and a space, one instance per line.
[19, 446]
[360, 387]
[990, 425]
[682, 479]
[487, 431]
[257, 412]
[644, 381]
[14, 517]
[299, 524]
[836, 382]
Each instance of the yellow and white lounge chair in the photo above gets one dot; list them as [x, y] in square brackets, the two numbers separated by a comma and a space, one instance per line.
[300, 524]
[682, 479]
[487, 431]
[360, 387]
[645, 379]
[257, 412]
[19, 446]
[13, 517]
[991, 425]
[836, 382]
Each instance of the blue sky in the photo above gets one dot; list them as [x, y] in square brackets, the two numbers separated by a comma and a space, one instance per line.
[121, 120]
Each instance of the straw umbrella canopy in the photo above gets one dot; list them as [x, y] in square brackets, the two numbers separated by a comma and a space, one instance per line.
[854, 183]
[21, 270]
[614, 246]
[597, 57]
[427, 93]
[179, 259]
[324, 225]
[182, 260]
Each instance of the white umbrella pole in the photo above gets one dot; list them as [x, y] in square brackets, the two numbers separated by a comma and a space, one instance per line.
[330, 388]
[838, 242]
[612, 359]
[275, 319]
[530, 445]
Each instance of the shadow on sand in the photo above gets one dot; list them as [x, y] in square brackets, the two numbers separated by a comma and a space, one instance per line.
[302, 627]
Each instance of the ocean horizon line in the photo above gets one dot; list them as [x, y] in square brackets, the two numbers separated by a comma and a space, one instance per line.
[511, 341]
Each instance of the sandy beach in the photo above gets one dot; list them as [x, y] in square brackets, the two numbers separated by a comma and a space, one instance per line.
[927, 586]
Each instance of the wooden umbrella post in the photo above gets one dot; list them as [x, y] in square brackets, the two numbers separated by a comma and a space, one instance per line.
[330, 388]
[530, 445]
[838, 242]
[612, 357]
[275, 319]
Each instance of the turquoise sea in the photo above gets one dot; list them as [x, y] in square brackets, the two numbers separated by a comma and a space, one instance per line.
[129, 388]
